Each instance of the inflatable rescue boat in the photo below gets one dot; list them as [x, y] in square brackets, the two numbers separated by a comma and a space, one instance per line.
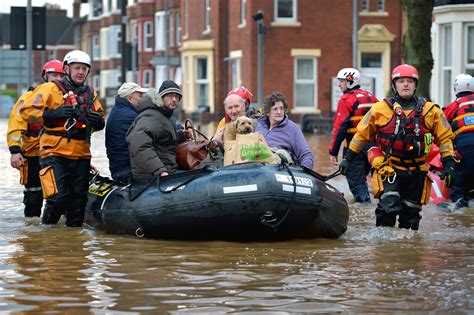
[241, 202]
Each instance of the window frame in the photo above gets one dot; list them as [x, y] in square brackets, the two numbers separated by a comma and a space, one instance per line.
[243, 12]
[147, 36]
[178, 28]
[286, 19]
[468, 67]
[147, 78]
[313, 82]
[199, 81]
[446, 56]
[95, 47]
[160, 31]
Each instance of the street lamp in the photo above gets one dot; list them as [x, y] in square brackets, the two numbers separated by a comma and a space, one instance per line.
[261, 31]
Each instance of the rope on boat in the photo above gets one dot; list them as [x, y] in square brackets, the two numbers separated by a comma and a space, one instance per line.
[269, 217]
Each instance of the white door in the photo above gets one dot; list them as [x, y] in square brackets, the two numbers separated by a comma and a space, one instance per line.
[371, 68]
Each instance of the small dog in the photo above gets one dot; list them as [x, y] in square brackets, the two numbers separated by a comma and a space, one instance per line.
[243, 125]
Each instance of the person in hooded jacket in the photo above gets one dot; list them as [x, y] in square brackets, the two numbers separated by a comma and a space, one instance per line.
[152, 138]
[120, 119]
[460, 114]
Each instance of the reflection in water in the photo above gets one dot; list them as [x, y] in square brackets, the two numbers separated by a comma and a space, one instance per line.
[67, 270]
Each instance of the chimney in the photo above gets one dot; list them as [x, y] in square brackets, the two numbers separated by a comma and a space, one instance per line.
[76, 9]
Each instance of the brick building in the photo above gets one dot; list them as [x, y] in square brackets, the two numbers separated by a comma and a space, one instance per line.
[210, 46]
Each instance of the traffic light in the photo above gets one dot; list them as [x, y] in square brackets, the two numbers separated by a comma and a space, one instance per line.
[18, 28]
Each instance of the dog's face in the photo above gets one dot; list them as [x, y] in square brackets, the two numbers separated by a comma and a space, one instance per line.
[244, 125]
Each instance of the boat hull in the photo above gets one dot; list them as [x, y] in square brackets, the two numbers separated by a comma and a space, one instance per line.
[241, 202]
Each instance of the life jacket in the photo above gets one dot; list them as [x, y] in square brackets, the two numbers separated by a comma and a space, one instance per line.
[403, 137]
[364, 102]
[463, 120]
[75, 128]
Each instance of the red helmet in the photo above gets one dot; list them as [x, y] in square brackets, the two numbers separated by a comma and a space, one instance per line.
[52, 66]
[243, 92]
[405, 71]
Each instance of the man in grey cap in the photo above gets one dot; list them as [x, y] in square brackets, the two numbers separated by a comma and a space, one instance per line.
[121, 117]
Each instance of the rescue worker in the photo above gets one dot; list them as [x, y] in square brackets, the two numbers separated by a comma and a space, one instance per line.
[69, 111]
[460, 114]
[403, 127]
[352, 106]
[23, 143]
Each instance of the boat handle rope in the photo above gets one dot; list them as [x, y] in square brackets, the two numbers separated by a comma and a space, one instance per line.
[323, 178]
[269, 214]
[187, 181]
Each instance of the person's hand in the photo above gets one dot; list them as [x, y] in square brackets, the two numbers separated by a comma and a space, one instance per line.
[164, 174]
[219, 135]
[448, 171]
[188, 134]
[346, 161]
[334, 160]
[16, 160]
[96, 120]
[62, 112]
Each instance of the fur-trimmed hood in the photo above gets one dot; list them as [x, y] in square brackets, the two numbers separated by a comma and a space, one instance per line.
[150, 99]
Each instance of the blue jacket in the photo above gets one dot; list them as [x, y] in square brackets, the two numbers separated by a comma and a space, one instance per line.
[120, 119]
[289, 136]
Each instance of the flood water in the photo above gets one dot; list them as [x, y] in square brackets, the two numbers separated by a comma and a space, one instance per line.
[368, 270]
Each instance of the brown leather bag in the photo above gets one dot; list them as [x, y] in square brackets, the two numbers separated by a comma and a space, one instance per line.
[190, 153]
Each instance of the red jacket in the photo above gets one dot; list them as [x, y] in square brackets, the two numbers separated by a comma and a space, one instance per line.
[352, 106]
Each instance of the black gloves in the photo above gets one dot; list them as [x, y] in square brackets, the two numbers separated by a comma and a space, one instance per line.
[346, 161]
[448, 171]
[96, 120]
[62, 112]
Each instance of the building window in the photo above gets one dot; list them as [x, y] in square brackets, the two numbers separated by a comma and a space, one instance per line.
[235, 72]
[207, 15]
[305, 82]
[469, 64]
[380, 5]
[178, 28]
[95, 8]
[104, 43]
[285, 10]
[160, 31]
[202, 82]
[171, 30]
[365, 6]
[243, 12]
[186, 17]
[96, 82]
[447, 63]
[115, 42]
[371, 60]
[118, 42]
[147, 36]
[95, 47]
[147, 78]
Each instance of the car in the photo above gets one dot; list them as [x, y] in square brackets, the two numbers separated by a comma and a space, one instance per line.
[6, 105]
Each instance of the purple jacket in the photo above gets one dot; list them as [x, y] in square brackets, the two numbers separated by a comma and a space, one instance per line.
[287, 135]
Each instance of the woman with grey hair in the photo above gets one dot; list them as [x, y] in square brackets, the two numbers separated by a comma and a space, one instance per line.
[282, 133]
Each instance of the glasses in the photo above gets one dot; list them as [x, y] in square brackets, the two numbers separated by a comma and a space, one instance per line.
[173, 95]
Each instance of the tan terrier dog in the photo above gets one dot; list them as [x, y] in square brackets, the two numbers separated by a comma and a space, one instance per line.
[243, 125]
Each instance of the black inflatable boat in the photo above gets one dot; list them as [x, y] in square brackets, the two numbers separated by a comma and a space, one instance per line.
[241, 202]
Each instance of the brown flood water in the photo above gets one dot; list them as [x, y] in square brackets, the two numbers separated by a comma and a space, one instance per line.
[383, 270]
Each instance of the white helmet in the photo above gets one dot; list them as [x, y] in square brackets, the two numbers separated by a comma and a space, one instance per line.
[77, 56]
[351, 75]
[463, 83]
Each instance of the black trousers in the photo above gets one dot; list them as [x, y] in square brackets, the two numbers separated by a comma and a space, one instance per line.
[72, 180]
[402, 198]
[33, 195]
